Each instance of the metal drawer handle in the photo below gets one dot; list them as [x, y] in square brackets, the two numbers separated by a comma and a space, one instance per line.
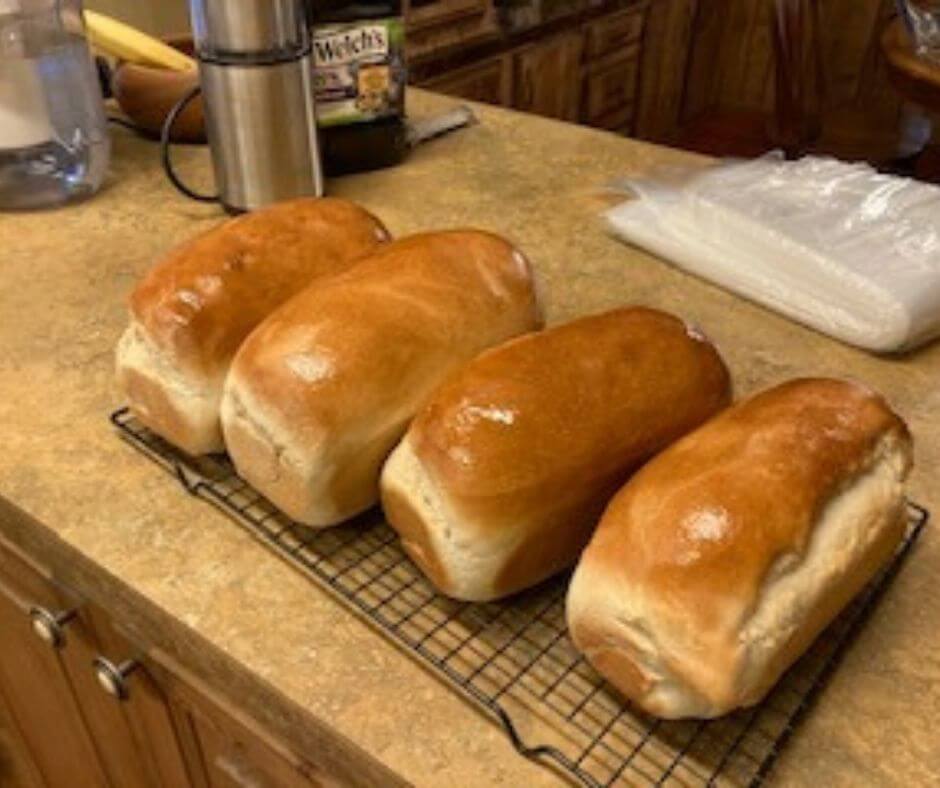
[50, 627]
[113, 678]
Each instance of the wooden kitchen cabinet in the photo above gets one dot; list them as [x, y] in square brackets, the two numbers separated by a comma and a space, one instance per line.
[148, 727]
[547, 77]
[228, 750]
[35, 687]
[588, 72]
[489, 81]
[73, 732]
[614, 33]
[17, 769]
[427, 13]
[610, 86]
[65, 729]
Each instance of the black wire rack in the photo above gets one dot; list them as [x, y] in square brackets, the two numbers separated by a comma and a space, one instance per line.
[514, 659]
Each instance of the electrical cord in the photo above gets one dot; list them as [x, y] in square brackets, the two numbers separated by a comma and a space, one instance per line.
[168, 122]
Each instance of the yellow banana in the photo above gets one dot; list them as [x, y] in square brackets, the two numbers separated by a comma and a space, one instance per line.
[127, 43]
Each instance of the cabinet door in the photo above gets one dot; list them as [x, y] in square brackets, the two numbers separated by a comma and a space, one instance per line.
[610, 86]
[547, 77]
[227, 749]
[74, 731]
[489, 81]
[35, 687]
[233, 761]
[138, 728]
[17, 769]
[613, 33]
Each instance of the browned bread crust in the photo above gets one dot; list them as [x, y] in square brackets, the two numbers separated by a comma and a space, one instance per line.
[519, 451]
[323, 389]
[719, 562]
[193, 309]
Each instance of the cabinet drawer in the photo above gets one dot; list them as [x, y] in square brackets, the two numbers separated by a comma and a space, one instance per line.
[547, 79]
[489, 81]
[620, 120]
[608, 89]
[613, 32]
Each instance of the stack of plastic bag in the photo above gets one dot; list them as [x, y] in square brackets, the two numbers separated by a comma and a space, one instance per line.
[838, 247]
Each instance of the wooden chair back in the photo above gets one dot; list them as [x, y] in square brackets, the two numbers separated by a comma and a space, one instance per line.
[799, 76]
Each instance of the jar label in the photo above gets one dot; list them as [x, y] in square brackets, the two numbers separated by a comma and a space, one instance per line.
[359, 70]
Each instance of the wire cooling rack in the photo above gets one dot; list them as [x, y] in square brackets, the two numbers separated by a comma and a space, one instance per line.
[514, 659]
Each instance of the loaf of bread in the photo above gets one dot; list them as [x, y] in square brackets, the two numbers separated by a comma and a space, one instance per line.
[502, 476]
[192, 310]
[720, 562]
[323, 389]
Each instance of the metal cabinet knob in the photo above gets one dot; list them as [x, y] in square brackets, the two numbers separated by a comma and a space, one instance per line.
[48, 626]
[113, 678]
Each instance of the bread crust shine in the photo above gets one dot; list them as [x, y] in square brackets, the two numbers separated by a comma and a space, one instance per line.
[716, 566]
[504, 473]
[323, 389]
[192, 310]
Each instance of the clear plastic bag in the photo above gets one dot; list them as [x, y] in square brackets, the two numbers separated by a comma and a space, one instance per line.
[838, 247]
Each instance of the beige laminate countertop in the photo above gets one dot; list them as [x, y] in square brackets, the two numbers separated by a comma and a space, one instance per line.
[194, 586]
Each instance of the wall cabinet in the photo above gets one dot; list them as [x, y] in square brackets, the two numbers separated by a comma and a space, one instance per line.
[81, 706]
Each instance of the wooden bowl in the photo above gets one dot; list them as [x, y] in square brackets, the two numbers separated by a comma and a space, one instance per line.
[147, 94]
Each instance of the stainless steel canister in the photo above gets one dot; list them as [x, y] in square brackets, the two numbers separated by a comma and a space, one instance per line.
[256, 77]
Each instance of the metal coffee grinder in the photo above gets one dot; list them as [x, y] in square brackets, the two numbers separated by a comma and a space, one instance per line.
[257, 84]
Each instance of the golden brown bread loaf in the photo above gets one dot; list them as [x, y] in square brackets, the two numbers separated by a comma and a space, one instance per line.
[323, 389]
[193, 309]
[502, 476]
[718, 563]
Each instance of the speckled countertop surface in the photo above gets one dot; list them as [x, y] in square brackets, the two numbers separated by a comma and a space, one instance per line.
[194, 586]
